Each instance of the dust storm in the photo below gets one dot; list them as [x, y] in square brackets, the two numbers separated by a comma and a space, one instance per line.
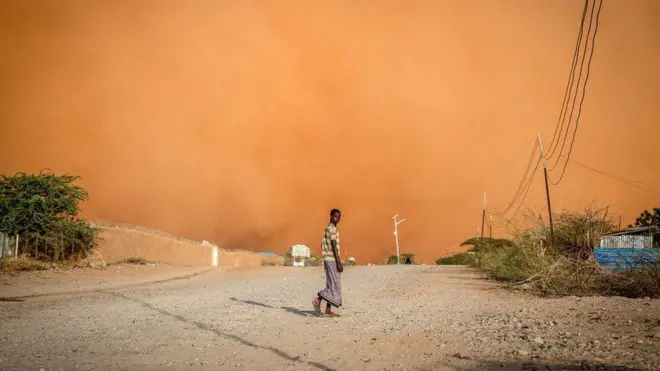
[246, 122]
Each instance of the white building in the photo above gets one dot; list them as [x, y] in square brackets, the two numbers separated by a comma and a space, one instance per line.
[300, 254]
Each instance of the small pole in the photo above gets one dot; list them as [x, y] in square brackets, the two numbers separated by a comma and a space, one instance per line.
[396, 235]
[620, 222]
[483, 216]
[16, 247]
[547, 187]
[490, 228]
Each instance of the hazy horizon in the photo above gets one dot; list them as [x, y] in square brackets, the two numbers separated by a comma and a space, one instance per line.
[246, 122]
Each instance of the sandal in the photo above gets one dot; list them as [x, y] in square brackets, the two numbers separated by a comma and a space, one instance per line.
[317, 305]
[332, 314]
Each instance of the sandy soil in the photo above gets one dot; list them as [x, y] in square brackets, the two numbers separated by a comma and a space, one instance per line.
[395, 318]
[68, 280]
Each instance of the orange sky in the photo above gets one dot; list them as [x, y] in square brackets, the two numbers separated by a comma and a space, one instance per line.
[245, 122]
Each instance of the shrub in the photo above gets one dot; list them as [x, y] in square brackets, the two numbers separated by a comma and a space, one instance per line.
[43, 210]
[22, 264]
[565, 265]
[403, 257]
[458, 259]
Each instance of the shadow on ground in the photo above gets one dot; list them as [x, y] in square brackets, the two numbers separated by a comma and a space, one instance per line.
[250, 302]
[474, 364]
[238, 339]
[304, 313]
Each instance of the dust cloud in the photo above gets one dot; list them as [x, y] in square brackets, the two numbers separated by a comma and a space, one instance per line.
[246, 122]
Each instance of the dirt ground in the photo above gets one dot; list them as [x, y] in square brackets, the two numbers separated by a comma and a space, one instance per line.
[395, 318]
[69, 280]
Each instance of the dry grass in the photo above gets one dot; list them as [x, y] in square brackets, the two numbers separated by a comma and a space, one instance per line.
[23, 264]
[96, 261]
[93, 260]
[567, 266]
[272, 261]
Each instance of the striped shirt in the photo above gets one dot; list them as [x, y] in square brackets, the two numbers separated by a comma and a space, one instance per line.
[331, 233]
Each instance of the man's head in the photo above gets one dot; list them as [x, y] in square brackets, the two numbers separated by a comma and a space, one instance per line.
[335, 216]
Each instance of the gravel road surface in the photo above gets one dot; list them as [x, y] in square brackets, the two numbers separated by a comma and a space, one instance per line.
[395, 318]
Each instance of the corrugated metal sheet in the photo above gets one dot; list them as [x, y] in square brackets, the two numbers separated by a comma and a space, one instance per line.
[626, 258]
[625, 242]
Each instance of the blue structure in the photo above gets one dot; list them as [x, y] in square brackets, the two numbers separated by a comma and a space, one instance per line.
[632, 248]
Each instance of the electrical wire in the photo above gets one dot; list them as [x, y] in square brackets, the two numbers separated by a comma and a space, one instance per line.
[522, 181]
[575, 97]
[528, 186]
[584, 93]
[621, 179]
[569, 88]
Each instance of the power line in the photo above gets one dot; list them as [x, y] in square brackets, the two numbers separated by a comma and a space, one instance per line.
[584, 93]
[529, 186]
[569, 87]
[621, 179]
[522, 181]
[575, 97]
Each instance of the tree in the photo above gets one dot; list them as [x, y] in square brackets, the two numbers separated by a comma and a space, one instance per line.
[404, 258]
[43, 209]
[647, 219]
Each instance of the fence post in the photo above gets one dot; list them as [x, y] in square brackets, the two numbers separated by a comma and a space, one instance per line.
[16, 248]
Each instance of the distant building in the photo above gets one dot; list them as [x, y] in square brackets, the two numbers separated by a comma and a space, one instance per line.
[629, 248]
[300, 255]
[267, 253]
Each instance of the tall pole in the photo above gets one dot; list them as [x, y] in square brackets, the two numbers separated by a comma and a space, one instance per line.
[490, 228]
[547, 187]
[483, 216]
[396, 235]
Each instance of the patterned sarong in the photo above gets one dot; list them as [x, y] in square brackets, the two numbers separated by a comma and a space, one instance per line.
[332, 291]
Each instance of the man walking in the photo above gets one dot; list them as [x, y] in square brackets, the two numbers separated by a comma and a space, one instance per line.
[332, 265]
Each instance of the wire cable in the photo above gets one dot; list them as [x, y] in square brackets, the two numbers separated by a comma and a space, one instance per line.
[636, 184]
[575, 97]
[584, 93]
[522, 181]
[528, 186]
[569, 88]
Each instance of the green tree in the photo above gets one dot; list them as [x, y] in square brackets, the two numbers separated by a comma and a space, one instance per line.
[404, 257]
[646, 218]
[43, 209]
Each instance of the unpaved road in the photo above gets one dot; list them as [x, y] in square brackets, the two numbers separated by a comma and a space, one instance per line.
[396, 318]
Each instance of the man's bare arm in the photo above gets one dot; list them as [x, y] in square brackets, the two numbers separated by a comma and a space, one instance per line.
[333, 243]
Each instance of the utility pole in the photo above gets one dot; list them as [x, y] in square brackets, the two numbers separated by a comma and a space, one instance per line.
[396, 235]
[547, 187]
[483, 216]
[620, 222]
[490, 228]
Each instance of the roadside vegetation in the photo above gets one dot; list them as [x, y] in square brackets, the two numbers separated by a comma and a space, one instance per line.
[562, 266]
[41, 211]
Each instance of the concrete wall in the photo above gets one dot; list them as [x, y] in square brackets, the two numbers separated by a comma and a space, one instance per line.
[116, 243]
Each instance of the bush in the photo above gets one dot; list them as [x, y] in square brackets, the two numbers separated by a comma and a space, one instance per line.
[487, 242]
[458, 259]
[43, 210]
[22, 264]
[565, 265]
[403, 258]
